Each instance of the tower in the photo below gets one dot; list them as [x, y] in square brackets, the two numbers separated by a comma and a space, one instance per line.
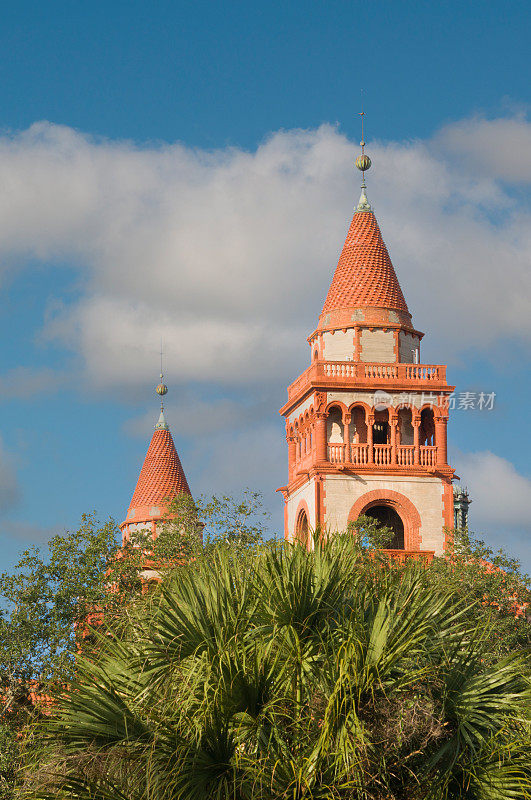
[366, 421]
[161, 478]
[461, 505]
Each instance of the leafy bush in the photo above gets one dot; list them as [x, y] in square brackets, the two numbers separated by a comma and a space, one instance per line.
[279, 673]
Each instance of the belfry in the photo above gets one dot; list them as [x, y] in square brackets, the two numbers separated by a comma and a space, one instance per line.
[366, 421]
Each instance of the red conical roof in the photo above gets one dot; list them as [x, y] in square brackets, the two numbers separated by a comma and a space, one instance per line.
[162, 475]
[364, 275]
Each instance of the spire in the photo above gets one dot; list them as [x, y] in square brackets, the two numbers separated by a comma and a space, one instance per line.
[364, 276]
[363, 163]
[162, 475]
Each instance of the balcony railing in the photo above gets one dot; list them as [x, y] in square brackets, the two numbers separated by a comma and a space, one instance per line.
[411, 555]
[360, 373]
[383, 455]
[364, 371]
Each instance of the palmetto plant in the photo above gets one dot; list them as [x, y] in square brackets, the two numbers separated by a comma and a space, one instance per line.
[288, 674]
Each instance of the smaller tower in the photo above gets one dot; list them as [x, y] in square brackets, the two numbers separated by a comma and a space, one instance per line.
[161, 478]
[461, 505]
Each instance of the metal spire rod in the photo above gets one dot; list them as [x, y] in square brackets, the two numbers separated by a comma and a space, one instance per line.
[161, 389]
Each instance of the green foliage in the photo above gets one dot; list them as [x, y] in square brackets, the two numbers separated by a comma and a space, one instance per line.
[10, 760]
[47, 596]
[490, 582]
[238, 522]
[277, 673]
[190, 529]
[369, 534]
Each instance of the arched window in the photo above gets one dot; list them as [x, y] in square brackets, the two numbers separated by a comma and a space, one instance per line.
[427, 427]
[405, 426]
[358, 426]
[380, 428]
[315, 354]
[334, 426]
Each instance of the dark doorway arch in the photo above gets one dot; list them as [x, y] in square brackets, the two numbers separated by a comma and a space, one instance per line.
[386, 515]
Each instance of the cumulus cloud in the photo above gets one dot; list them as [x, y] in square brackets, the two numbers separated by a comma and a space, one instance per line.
[228, 254]
[500, 494]
[498, 148]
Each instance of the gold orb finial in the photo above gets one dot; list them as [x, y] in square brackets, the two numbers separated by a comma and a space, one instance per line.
[363, 162]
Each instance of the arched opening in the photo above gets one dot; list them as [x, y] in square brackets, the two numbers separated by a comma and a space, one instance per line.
[302, 528]
[427, 427]
[405, 427]
[358, 426]
[315, 354]
[380, 428]
[334, 426]
[386, 515]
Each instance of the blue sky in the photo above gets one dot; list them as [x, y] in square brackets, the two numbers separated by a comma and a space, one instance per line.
[185, 170]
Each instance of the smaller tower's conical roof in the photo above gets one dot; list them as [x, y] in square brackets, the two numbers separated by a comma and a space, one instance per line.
[161, 478]
[162, 475]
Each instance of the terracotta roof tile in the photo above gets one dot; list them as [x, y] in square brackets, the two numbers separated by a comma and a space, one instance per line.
[364, 275]
[162, 475]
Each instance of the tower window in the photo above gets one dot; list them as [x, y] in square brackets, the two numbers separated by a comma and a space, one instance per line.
[334, 426]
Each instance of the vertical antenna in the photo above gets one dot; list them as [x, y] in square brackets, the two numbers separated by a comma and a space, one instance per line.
[362, 114]
[161, 389]
[363, 163]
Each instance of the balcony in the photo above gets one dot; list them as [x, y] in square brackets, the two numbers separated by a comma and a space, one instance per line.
[383, 455]
[425, 556]
[329, 374]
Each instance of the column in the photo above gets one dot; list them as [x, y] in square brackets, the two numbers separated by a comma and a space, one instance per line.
[357, 343]
[320, 437]
[415, 421]
[440, 439]
[291, 454]
[370, 423]
[393, 422]
[346, 437]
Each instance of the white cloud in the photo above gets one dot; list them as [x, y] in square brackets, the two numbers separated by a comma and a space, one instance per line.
[498, 148]
[500, 495]
[228, 254]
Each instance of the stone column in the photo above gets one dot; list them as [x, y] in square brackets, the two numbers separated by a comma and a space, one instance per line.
[292, 445]
[320, 437]
[415, 421]
[393, 422]
[440, 439]
[370, 423]
[346, 436]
